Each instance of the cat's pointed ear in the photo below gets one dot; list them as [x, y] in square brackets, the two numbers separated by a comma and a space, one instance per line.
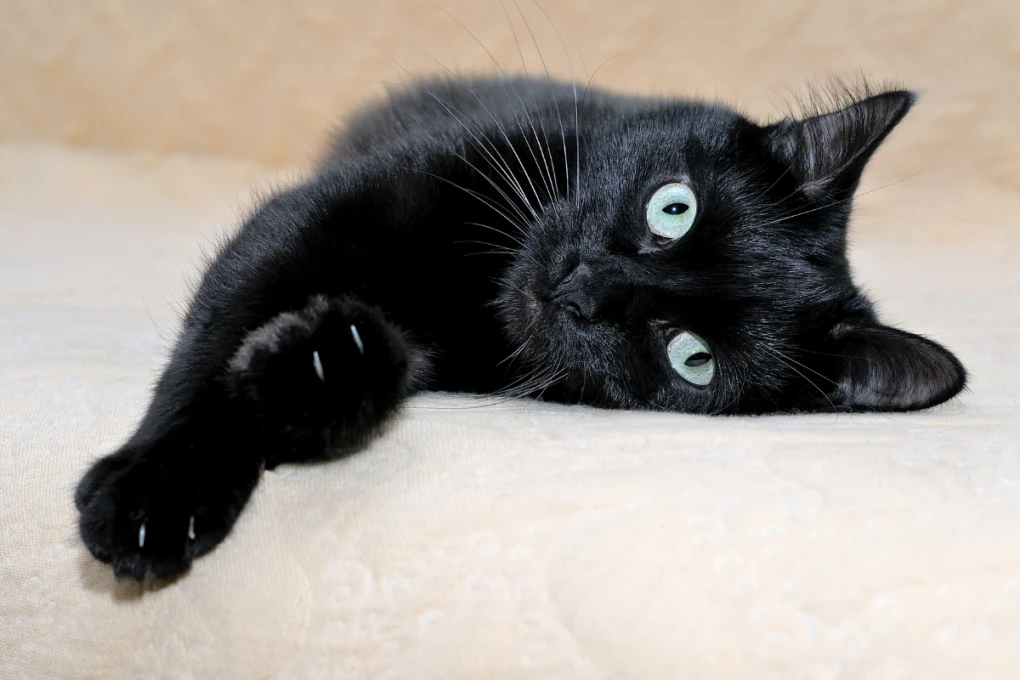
[828, 152]
[878, 368]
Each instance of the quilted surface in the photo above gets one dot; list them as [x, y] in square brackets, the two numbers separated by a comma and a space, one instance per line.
[506, 540]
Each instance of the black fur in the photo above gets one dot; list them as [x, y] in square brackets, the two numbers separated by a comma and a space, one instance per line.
[464, 222]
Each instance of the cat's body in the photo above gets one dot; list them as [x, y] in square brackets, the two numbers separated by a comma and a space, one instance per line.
[499, 235]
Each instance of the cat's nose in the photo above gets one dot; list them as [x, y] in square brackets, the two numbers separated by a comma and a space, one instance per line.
[575, 294]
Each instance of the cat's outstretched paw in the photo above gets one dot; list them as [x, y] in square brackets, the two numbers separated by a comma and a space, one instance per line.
[152, 510]
[330, 372]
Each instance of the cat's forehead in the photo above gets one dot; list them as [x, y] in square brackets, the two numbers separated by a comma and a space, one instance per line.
[678, 122]
[680, 134]
[681, 140]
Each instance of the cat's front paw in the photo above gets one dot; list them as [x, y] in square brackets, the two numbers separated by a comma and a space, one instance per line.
[149, 510]
[333, 369]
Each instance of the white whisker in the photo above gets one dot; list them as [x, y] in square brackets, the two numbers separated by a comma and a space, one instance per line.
[577, 131]
[556, 105]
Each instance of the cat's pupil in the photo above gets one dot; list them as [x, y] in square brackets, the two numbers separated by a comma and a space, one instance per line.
[675, 209]
[698, 359]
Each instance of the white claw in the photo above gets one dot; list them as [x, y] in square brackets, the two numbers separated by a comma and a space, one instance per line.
[317, 363]
[191, 528]
[357, 339]
[141, 536]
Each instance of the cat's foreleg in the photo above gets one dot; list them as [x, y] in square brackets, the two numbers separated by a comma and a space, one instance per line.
[266, 369]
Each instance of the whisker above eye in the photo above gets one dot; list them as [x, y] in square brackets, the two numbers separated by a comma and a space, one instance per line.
[506, 138]
[573, 82]
[534, 40]
[506, 174]
[527, 79]
[598, 68]
[524, 107]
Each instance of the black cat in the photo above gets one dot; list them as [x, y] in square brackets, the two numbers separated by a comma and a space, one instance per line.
[514, 237]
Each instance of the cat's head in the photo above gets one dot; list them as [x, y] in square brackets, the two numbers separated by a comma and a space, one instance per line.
[699, 264]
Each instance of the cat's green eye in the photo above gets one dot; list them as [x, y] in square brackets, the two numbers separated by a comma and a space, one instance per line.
[691, 358]
[671, 210]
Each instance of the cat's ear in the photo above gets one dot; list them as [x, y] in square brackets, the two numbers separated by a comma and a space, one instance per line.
[828, 152]
[878, 368]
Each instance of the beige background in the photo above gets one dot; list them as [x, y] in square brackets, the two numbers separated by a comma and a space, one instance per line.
[517, 540]
[265, 80]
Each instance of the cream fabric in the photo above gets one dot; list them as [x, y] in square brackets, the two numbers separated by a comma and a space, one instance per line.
[513, 540]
